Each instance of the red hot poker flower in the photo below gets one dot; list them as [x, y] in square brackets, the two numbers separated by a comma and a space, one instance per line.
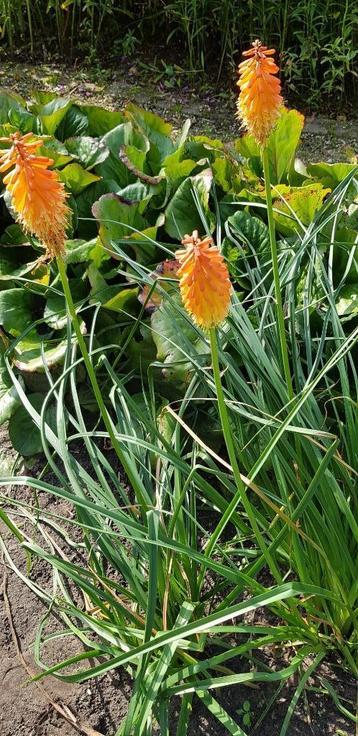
[37, 195]
[204, 281]
[259, 100]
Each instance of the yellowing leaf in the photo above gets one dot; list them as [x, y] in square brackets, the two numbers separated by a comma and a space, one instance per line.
[298, 205]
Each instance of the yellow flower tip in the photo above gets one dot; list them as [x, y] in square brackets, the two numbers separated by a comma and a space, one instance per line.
[204, 281]
[37, 194]
[259, 100]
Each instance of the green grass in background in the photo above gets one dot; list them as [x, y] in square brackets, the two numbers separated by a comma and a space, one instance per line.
[316, 40]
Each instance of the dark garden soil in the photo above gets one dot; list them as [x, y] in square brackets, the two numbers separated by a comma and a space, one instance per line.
[99, 706]
[211, 109]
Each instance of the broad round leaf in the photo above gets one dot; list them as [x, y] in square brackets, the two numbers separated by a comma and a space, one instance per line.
[24, 434]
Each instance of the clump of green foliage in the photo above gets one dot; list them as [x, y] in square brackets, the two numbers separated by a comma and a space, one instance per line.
[171, 563]
[136, 185]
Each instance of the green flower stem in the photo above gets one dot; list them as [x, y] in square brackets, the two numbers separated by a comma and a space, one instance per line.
[120, 451]
[281, 329]
[241, 494]
[276, 275]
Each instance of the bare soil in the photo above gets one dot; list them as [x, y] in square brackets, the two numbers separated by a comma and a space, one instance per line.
[211, 109]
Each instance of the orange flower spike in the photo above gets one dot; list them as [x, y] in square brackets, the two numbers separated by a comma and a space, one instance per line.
[259, 100]
[37, 195]
[204, 281]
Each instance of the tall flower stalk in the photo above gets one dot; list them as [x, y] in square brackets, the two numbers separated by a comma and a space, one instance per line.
[258, 107]
[38, 198]
[276, 276]
[205, 288]
[127, 465]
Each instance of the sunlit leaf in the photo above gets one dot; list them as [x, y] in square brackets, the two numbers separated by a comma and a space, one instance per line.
[330, 175]
[99, 120]
[52, 148]
[78, 251]
[300, 204]
[51, 113]
[126, 300]
[117, 218]
[181, 214]
[222, 170]
[281, 146]
[283, 143]
[89, 151]
[76, 178]
[176, 168]
[156, 130]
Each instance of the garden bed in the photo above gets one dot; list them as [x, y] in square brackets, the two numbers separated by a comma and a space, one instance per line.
[197, 526]
[103, 703]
